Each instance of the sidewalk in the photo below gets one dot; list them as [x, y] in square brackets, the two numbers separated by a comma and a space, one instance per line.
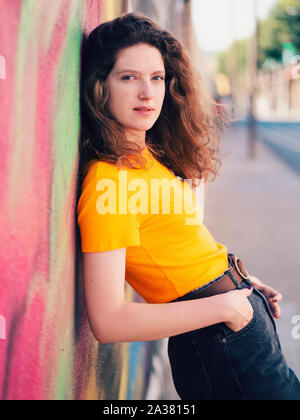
[253, 208]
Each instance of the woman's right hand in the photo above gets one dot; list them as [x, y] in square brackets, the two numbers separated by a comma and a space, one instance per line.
[238, 308]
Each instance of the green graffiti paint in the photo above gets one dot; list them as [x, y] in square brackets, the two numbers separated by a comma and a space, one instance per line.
[66, 130]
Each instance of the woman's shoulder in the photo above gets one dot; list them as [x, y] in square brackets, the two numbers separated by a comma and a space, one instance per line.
[101, 169]
[97, 170]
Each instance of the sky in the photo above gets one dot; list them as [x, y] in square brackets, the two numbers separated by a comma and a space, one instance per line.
[219, 22]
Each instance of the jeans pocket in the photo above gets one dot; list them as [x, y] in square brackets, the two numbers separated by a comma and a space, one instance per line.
[256, 341]
[231, 335]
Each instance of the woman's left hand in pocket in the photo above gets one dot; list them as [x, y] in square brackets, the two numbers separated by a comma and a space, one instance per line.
[272, 295]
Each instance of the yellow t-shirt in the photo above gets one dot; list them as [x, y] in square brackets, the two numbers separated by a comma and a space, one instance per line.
[158, 219]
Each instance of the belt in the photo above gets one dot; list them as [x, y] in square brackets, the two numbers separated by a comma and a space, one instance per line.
[229, 280]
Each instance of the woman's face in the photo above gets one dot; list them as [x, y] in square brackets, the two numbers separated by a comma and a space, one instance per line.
[136, 89]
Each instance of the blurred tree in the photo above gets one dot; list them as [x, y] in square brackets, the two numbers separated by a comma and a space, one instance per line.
[222, 62]
[280, 27]
[233, 60]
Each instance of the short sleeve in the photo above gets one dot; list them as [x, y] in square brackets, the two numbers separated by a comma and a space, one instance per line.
[104, 221]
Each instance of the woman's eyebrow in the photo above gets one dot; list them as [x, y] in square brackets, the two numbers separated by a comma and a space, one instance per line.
[135, 71]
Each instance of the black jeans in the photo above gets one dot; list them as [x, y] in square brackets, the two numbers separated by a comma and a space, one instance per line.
[215, 363]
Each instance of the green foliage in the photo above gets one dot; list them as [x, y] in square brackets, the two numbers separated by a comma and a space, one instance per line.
[222, 62]
[281, 26]
[234, 59]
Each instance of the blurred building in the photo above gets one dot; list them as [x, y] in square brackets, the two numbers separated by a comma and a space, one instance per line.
[278, 93]
[175, 17]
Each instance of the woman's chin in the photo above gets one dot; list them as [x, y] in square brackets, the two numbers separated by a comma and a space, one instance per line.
[141, 127]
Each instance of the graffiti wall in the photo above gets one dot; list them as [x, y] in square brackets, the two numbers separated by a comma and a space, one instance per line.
[47, 350]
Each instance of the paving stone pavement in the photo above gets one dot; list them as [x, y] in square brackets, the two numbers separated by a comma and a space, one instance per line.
[253, 208]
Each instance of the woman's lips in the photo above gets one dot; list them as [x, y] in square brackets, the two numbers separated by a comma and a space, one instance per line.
[144, 111]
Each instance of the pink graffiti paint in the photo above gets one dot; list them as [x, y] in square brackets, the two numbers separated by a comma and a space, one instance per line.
[24, 261]
[2, 328]
[2, 67]
[38, 291]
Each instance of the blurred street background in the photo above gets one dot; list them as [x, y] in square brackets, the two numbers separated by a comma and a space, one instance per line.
[254, 205]
[254, 209]
[249, 54]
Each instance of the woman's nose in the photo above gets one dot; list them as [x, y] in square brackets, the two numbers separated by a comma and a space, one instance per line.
[146, 90]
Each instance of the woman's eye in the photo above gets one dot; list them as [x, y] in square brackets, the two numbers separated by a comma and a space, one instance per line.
[155, 77]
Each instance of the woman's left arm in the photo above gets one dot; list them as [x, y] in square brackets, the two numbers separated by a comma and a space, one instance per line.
[273, 296]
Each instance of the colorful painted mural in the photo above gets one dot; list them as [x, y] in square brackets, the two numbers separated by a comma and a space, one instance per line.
[47, 350]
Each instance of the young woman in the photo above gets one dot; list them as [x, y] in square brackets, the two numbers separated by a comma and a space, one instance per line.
[147, 126]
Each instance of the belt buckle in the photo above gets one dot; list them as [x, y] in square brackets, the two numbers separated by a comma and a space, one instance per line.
[236, 262]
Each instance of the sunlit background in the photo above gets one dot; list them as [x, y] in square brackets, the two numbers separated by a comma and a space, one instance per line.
[252, 46]
[219, 23]
[248, 53]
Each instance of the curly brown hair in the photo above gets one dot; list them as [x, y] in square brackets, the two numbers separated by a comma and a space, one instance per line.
[185, 137]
